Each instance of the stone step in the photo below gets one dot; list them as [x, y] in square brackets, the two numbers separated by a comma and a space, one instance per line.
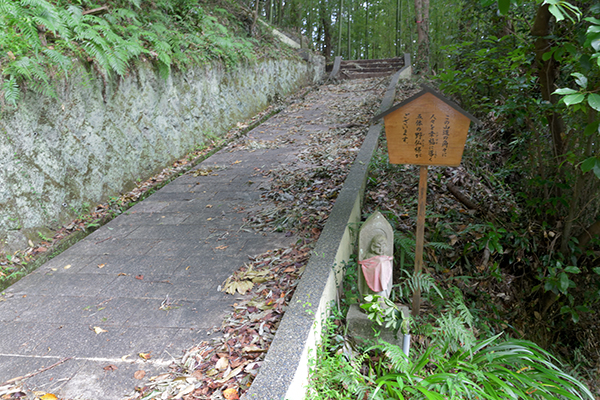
[360, 69]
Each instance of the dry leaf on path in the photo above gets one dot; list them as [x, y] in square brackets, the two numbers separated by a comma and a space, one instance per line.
[48, 396]
[184, 391]
[198, 374]
[110, 367]
[145, 356]
[222, 364]
[230, 394]
[98, 330]
[140, 374]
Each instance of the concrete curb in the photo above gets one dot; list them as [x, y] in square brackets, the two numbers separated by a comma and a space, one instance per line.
[285, 370]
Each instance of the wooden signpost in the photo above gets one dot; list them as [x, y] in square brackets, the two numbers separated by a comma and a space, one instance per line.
[426, 129]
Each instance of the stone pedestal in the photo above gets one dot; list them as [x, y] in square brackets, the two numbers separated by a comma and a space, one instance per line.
[360, 327]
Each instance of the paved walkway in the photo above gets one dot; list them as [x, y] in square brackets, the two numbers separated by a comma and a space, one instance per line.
[147, 281]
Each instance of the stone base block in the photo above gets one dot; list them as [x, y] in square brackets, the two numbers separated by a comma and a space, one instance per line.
[361, 328]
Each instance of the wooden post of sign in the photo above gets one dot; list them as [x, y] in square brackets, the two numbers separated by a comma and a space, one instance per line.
[425, 129]
[416, 300]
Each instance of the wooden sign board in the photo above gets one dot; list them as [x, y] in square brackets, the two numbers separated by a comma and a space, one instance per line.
[426, 129]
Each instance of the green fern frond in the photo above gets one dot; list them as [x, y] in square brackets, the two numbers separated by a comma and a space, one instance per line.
[458, 305]
[76, 14]
[164, 69]
[406, 245]
[10, 90]
[21, 68]
[452, 333]
[396, 356]
[419, 282]
[439, 245]
[43, 87]
[58, 59]
[136, 3]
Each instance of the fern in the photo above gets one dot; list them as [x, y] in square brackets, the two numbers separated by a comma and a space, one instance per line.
[10, 90]
[173, 33]
[421, 281]
[406, 245]
[455, 326]
[439, 246]
[398, 360]
[58, 59]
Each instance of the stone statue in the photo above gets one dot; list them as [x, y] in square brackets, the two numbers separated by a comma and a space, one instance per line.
[375, 255]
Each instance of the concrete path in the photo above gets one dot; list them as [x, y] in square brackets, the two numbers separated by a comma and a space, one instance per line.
[146, 283]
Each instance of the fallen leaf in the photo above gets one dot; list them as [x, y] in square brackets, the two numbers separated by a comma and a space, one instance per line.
[140, 374]
[42, 249]
[48, 396]
[98, 330]
[222, 364]
[110, 367]
[198, 374]
[101, 265]
[30, 243]
[242, 287]
[124, 358]
[209, 206]
[223, 247]
[121, 274]
[252, 349]
[233, 373]
[237, 162]
[209, 219]
[139, 277]
[145, 356]
[186, 390]
[231, 394]
[67, 266]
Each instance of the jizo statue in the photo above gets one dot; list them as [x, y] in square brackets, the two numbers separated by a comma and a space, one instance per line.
[375, 255]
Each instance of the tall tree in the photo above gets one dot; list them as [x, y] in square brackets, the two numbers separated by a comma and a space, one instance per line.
[422, 20]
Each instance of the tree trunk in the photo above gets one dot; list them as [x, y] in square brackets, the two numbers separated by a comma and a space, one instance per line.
[326, 37]
[574, 209]
[256, 10]
[398, 18]
[349, 33]
[422, 16]
[547, 72]
[367, 30]
[339, 21]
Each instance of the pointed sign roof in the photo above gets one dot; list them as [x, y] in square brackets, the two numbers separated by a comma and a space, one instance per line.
[427, 89]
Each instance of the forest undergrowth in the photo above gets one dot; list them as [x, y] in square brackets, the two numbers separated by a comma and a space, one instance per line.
[41, 41]
[489, 264]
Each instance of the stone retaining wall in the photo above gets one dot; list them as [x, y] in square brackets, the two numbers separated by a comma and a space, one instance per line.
[97, 138]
